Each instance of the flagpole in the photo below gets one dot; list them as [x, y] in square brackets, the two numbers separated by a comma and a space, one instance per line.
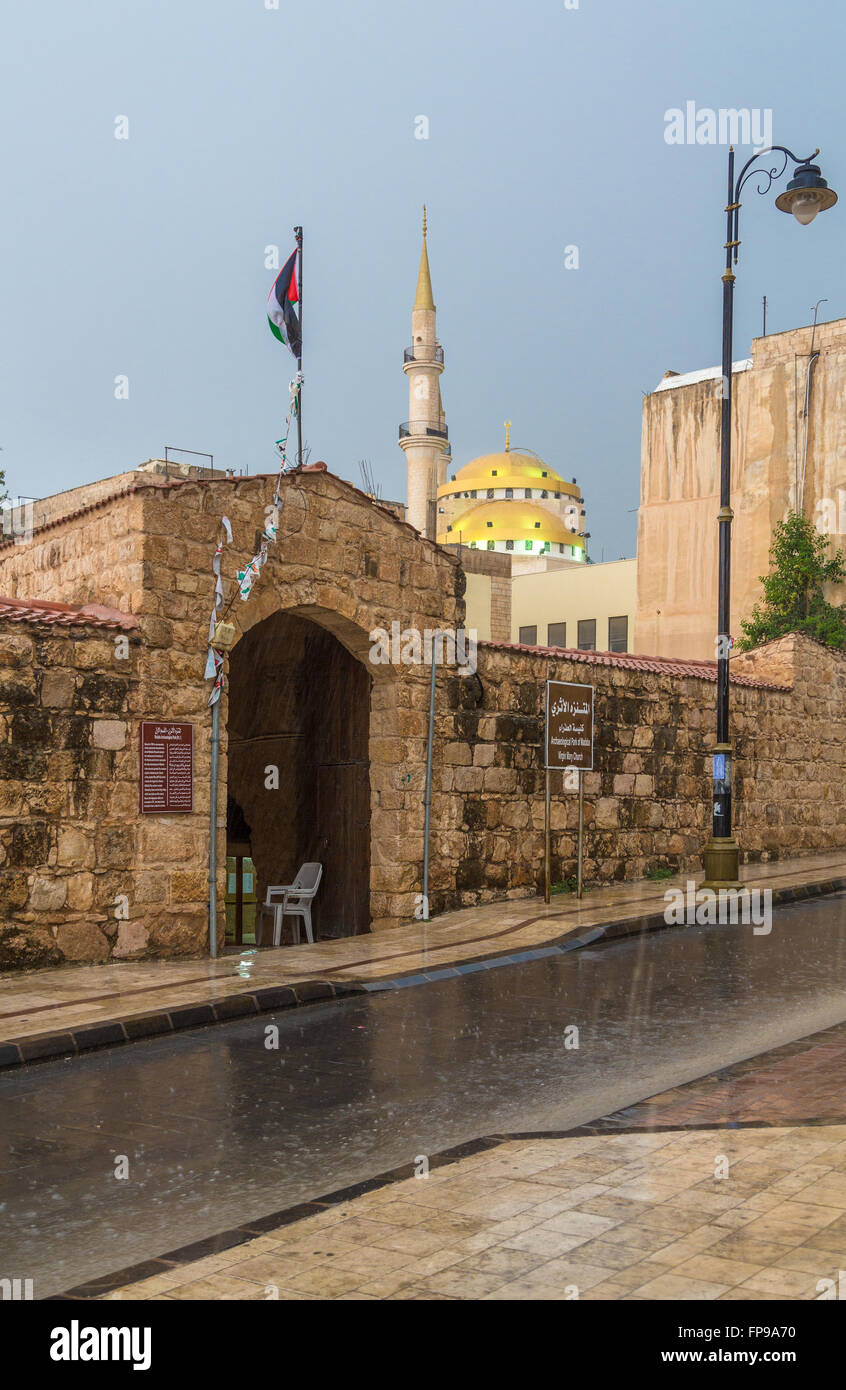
[298, 233]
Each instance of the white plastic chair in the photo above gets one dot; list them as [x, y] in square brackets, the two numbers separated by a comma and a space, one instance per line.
[296, 899]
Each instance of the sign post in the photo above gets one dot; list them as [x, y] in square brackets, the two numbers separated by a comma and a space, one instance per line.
[568, 747]
[581, 831]
[546, 839]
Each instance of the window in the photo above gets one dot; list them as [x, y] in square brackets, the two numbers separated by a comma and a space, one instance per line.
[527, 545]
[472, 494]
[528, 492]
[543, 475]
[556, 635]
[490, 492]
[587, 635]
[618, 634]
[491, 545]
[529, 636]
[546, 547]
[537, 525]
[489, 523]
[509, 492]
[509, 545]
[493, 473]
[558, 494]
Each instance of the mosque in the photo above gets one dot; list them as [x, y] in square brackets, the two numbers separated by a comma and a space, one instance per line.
[511, 505]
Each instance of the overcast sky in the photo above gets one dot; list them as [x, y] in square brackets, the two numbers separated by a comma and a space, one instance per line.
[145, 257]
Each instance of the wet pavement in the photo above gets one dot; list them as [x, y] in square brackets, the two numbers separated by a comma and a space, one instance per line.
[217, 1129]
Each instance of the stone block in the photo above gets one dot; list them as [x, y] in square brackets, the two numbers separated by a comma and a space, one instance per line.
[47, 894]
[191, 887]
[57, 688]
[131, 940]
[80, 892]
[75, 849]
[82, 941]
[108, 733]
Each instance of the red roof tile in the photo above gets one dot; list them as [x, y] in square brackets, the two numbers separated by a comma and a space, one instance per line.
[42, 614]
[660, 665]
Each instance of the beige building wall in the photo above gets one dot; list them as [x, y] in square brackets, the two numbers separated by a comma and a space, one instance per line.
[573, 594]
[477, 597]
[487, 596]
[774, 439]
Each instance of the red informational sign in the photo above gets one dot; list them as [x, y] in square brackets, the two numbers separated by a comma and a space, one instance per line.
[167, 767]
[569, 725]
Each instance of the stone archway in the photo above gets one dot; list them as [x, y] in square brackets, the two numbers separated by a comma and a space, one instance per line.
[298, 757]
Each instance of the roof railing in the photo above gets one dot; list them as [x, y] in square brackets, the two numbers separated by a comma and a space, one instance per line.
[423, 353]
[412, 427]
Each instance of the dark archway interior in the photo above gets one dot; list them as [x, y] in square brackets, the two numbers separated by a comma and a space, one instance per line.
[299, 768]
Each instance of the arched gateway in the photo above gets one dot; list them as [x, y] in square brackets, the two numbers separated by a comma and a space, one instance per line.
[322, 752]
[323, 747]
[298, 770]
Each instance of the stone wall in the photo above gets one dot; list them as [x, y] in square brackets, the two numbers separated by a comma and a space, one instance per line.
[73, 843]
[647, 803]
[68, 795]
[96, 554]
[341, 562]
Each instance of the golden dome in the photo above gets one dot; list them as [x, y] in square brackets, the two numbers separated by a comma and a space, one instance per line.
[509, 520]
[508, 469]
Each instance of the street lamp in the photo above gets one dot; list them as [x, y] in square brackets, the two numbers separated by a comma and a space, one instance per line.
[806, 194]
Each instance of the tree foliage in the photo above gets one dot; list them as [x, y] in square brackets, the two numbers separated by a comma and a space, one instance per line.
[793, 601]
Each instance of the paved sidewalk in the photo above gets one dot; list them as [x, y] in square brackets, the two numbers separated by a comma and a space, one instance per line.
[706, 1213]
[51, 1013]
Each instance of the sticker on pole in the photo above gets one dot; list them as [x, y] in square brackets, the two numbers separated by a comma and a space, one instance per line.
[569, 726]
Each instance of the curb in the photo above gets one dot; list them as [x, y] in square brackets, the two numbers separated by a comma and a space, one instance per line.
[47, 1047]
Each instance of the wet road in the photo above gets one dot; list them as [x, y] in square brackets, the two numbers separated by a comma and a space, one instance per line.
[217, 1129]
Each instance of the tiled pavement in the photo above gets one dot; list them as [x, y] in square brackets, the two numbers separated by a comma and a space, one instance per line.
[50, 1012]
[803, 1081]
[625, 1216]
[709, 1213]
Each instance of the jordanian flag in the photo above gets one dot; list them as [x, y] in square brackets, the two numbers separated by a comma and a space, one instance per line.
[281, 314]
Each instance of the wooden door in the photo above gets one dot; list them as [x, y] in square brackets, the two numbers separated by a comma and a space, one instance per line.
[342, 906]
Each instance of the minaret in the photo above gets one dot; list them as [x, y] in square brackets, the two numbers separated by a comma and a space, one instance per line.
[424, 437]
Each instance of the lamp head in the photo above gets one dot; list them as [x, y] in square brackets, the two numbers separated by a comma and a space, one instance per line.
[806, 194]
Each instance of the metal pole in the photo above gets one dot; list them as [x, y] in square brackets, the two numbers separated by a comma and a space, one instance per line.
[722, 825]
[721, 854]
[581, 830]
[215, 744]
[298, 233]
[427, 799]
[546, 868]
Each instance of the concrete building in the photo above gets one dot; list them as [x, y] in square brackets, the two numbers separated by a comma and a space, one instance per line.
[789, 435]
[591, 608]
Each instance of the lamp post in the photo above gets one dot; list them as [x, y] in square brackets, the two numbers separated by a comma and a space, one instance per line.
[806, 194]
